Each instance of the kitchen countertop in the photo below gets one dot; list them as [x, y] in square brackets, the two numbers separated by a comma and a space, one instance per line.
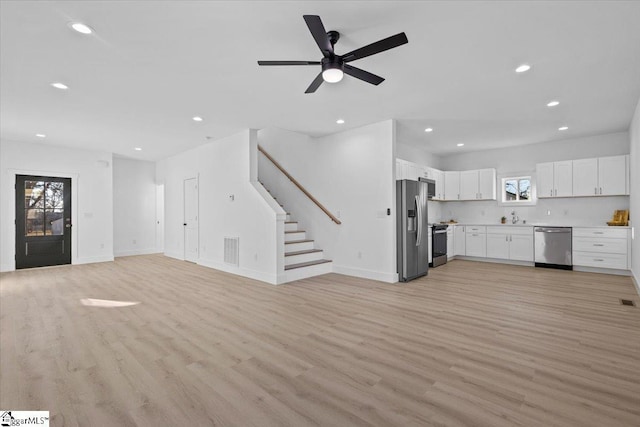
[541, 224]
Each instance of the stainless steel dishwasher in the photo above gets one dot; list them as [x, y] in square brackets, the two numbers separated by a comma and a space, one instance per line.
[553, 247]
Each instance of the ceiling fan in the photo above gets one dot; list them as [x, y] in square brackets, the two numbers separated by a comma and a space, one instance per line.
[334, 66]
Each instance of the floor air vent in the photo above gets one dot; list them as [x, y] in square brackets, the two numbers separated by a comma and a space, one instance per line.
[627, 302]
[231, 251]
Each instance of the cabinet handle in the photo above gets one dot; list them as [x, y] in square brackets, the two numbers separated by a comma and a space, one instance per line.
[598, 259]
[595, 190]
[506, 238]
[598, 244]
[481, 195]
[458, 196]
[511, 238]
[600, 190]
[598, 232]
[551, 193]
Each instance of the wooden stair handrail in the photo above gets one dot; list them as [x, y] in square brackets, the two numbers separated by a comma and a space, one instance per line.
[297, 184]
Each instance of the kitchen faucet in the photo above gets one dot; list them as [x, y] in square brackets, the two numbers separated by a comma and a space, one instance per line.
[514, 217]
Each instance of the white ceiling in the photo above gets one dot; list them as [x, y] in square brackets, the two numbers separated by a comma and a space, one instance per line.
[151, 66]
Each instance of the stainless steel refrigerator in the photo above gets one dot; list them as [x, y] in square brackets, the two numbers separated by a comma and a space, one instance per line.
[412, 229]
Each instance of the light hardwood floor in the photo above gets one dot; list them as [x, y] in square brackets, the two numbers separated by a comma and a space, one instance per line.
[472, 344]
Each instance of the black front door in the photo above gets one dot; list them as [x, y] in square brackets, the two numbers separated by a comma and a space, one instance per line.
[43, 221]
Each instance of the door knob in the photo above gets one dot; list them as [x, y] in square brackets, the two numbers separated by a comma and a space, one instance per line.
[68, 226]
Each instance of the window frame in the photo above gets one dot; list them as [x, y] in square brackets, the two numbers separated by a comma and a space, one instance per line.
[503, 178]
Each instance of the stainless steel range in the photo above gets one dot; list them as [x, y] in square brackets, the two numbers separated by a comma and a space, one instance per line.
[439, 244]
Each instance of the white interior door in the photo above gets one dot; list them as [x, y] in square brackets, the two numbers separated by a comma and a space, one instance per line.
[191, 219]
[160, 218]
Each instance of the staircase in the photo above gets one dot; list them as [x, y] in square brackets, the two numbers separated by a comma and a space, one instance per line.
[301, 258]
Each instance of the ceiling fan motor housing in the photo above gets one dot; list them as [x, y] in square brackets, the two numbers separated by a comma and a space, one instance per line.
[334, 62]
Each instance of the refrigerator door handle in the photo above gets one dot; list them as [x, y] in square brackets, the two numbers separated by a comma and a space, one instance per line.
[419, 227]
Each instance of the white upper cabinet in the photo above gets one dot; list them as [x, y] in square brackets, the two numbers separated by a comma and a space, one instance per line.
[468, 185]
[478, 184]
[438, 177]
[487, 184]
[612, 175]
[555, 179]
[563, 178]
[603, 176]
[544, 172]
[585, 177]
[452, 185]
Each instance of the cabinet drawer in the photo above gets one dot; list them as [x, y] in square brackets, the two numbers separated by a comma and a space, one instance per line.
[600, 245]
[616, 233]
[589, 259]
[475, 229]
[509, 229]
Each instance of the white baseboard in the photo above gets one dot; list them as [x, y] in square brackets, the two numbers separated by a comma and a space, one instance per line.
[244, 272]
[366, 274]
[635, 281]
[136, 252]
[175, 255]
[494, 260]
[93, 259]
[602, 270]
[7, 267]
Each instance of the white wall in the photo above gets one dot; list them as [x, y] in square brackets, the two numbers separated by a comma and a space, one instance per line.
[134, 207]
[417, 155]
[352, 174]
[223, 168]
[634, 132]
[523, 159]
[92, 196]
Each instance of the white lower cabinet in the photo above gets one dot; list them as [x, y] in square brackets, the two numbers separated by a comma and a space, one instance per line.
[459, 240]
[430, 245]
[476, 241]
[498, 246]
[450, 243]
[508, 242]
[601, 247]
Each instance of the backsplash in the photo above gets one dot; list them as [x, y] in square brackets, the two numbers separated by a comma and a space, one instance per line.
[561, 211]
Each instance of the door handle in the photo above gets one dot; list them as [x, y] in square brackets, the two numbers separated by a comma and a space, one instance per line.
[419, 228]
[68, 226]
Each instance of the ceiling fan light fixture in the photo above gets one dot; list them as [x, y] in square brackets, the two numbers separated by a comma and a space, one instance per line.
[332, 75]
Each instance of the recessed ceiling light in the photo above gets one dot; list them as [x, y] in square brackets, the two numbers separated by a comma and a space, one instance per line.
[41, 135]
[81, 28]
[197, 119]
[138, 149]
[553, 103]
[59, 85]
[460, 144]
[522, 68]
[563, 128]
[339, 121]
[428, 130]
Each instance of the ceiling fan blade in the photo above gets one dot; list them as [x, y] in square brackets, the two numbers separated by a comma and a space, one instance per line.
[363, 75]
[377, 47]
[289, 62]
[315, 84]
[319, 34]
